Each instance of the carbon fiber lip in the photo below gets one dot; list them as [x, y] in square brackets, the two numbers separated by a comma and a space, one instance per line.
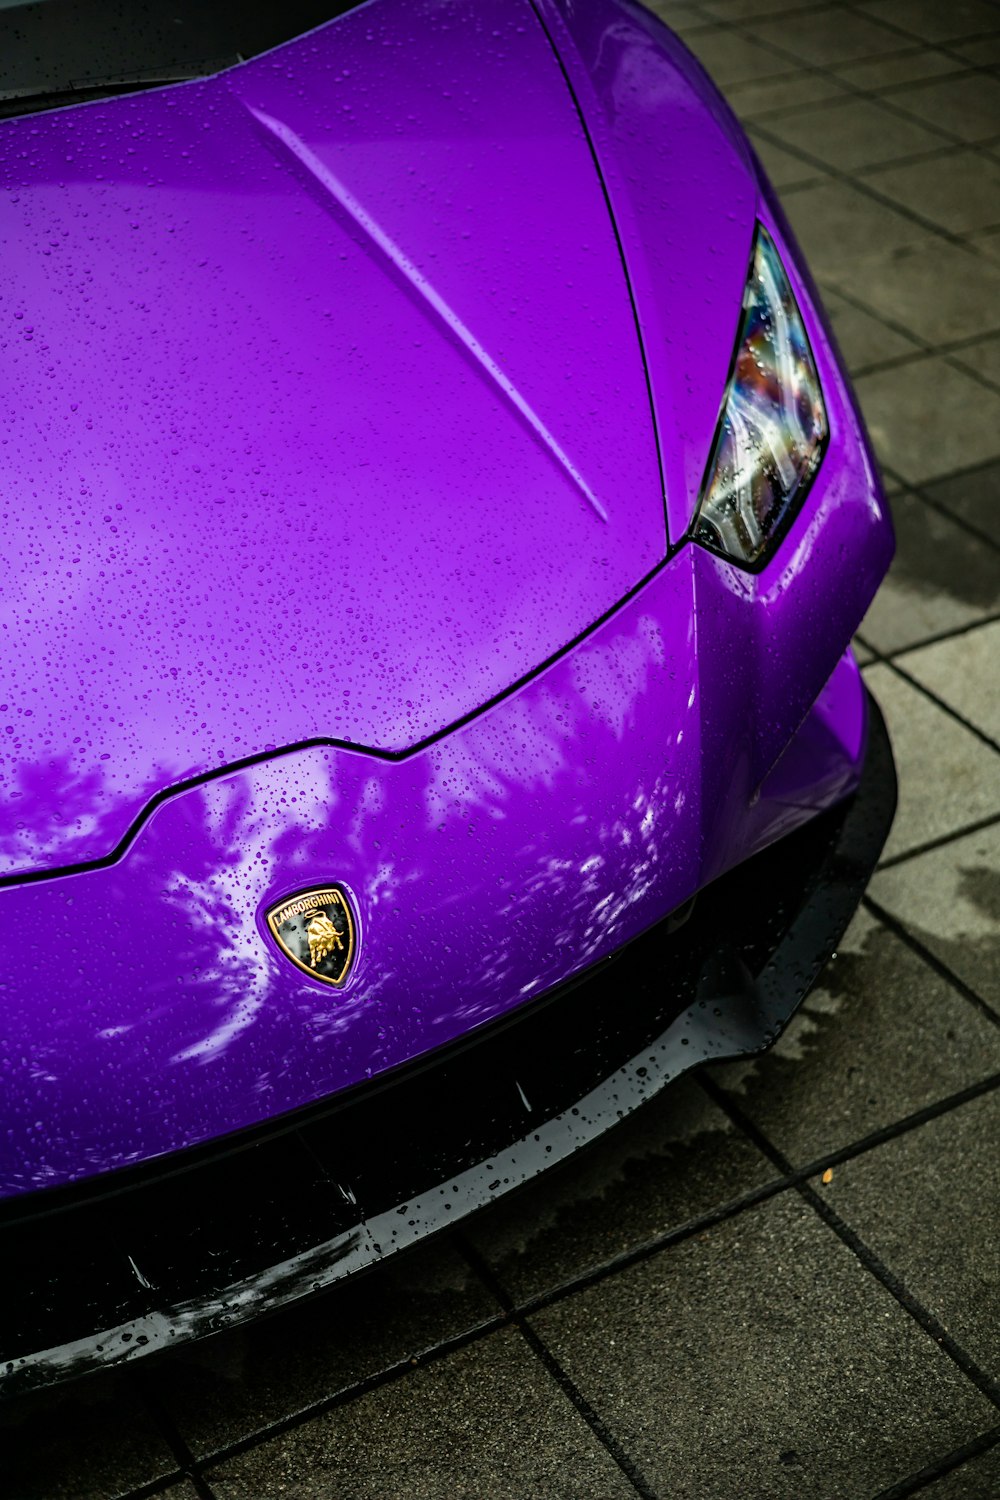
[156, 1256]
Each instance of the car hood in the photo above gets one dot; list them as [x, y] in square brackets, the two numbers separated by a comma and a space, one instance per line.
[324, 411]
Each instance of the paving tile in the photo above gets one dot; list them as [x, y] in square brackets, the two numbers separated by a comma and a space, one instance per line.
[964, 673]
[926, 1204]
[960, 191]
[968, 107]
[927, 418]
[787, 92]
[485, 1423]
[679, 17]
[731, 58]
[230, 1386]
[678, 1157]
[939, 292]
[90, 1441]
[853, 133]
[747, 10]
[841, 228]
[947, 777]
[986, 242]
[949, 898]
[864, 339]
[973, 497]
[762, 1359]
[880, 1036]
[933, 21]
[783, 167]
[982, 359]
[833, 35]
[862, 655]
[977, 1479]
[941, 578]
[899, 67]
[983, 53]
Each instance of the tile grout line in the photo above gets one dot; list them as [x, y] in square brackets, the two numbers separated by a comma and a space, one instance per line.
[194, 1469]
[863, 1253]
[882, 94]
[914, 1483]
[859, 305]
[950, 352]
[861, 184]
[930, 958]
[952, 355]
[946, 47]
[349, 1394]
[925, 640]
[172, 1436]
[799, 66]
[918, 487]
[721, 1214]
[953, 713]
[155, 1486]
[941, 842]
[569, 1388]
[524, 1309]
[956, 142]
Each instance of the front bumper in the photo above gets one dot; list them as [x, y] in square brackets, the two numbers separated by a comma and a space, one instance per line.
[178, 1249]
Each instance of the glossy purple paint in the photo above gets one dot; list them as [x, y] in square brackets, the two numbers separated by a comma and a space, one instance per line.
[334, 330]
[292, 462]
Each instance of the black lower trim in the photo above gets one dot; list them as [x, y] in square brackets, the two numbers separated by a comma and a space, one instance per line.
[147, 1259]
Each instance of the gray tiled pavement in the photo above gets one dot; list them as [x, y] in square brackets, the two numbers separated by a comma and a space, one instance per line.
[782, 1278]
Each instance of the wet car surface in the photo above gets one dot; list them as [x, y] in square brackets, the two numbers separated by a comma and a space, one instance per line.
[705, 1228]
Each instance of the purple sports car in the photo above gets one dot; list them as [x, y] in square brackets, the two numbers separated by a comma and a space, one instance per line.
[435, 517]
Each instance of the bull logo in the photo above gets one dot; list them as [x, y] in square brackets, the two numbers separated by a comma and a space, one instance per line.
[316, 930]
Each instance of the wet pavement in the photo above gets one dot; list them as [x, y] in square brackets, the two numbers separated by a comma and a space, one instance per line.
[782, 1278]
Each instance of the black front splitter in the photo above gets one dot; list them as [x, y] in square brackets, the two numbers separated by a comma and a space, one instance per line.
[146, 1259]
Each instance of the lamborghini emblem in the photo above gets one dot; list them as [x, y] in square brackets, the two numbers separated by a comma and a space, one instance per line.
[316, 930]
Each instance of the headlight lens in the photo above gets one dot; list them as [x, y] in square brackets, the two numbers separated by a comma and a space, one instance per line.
[773, 425]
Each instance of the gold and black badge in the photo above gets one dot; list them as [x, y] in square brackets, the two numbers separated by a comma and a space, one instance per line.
[316, 930]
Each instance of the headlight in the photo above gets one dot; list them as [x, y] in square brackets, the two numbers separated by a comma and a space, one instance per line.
[773, 425]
